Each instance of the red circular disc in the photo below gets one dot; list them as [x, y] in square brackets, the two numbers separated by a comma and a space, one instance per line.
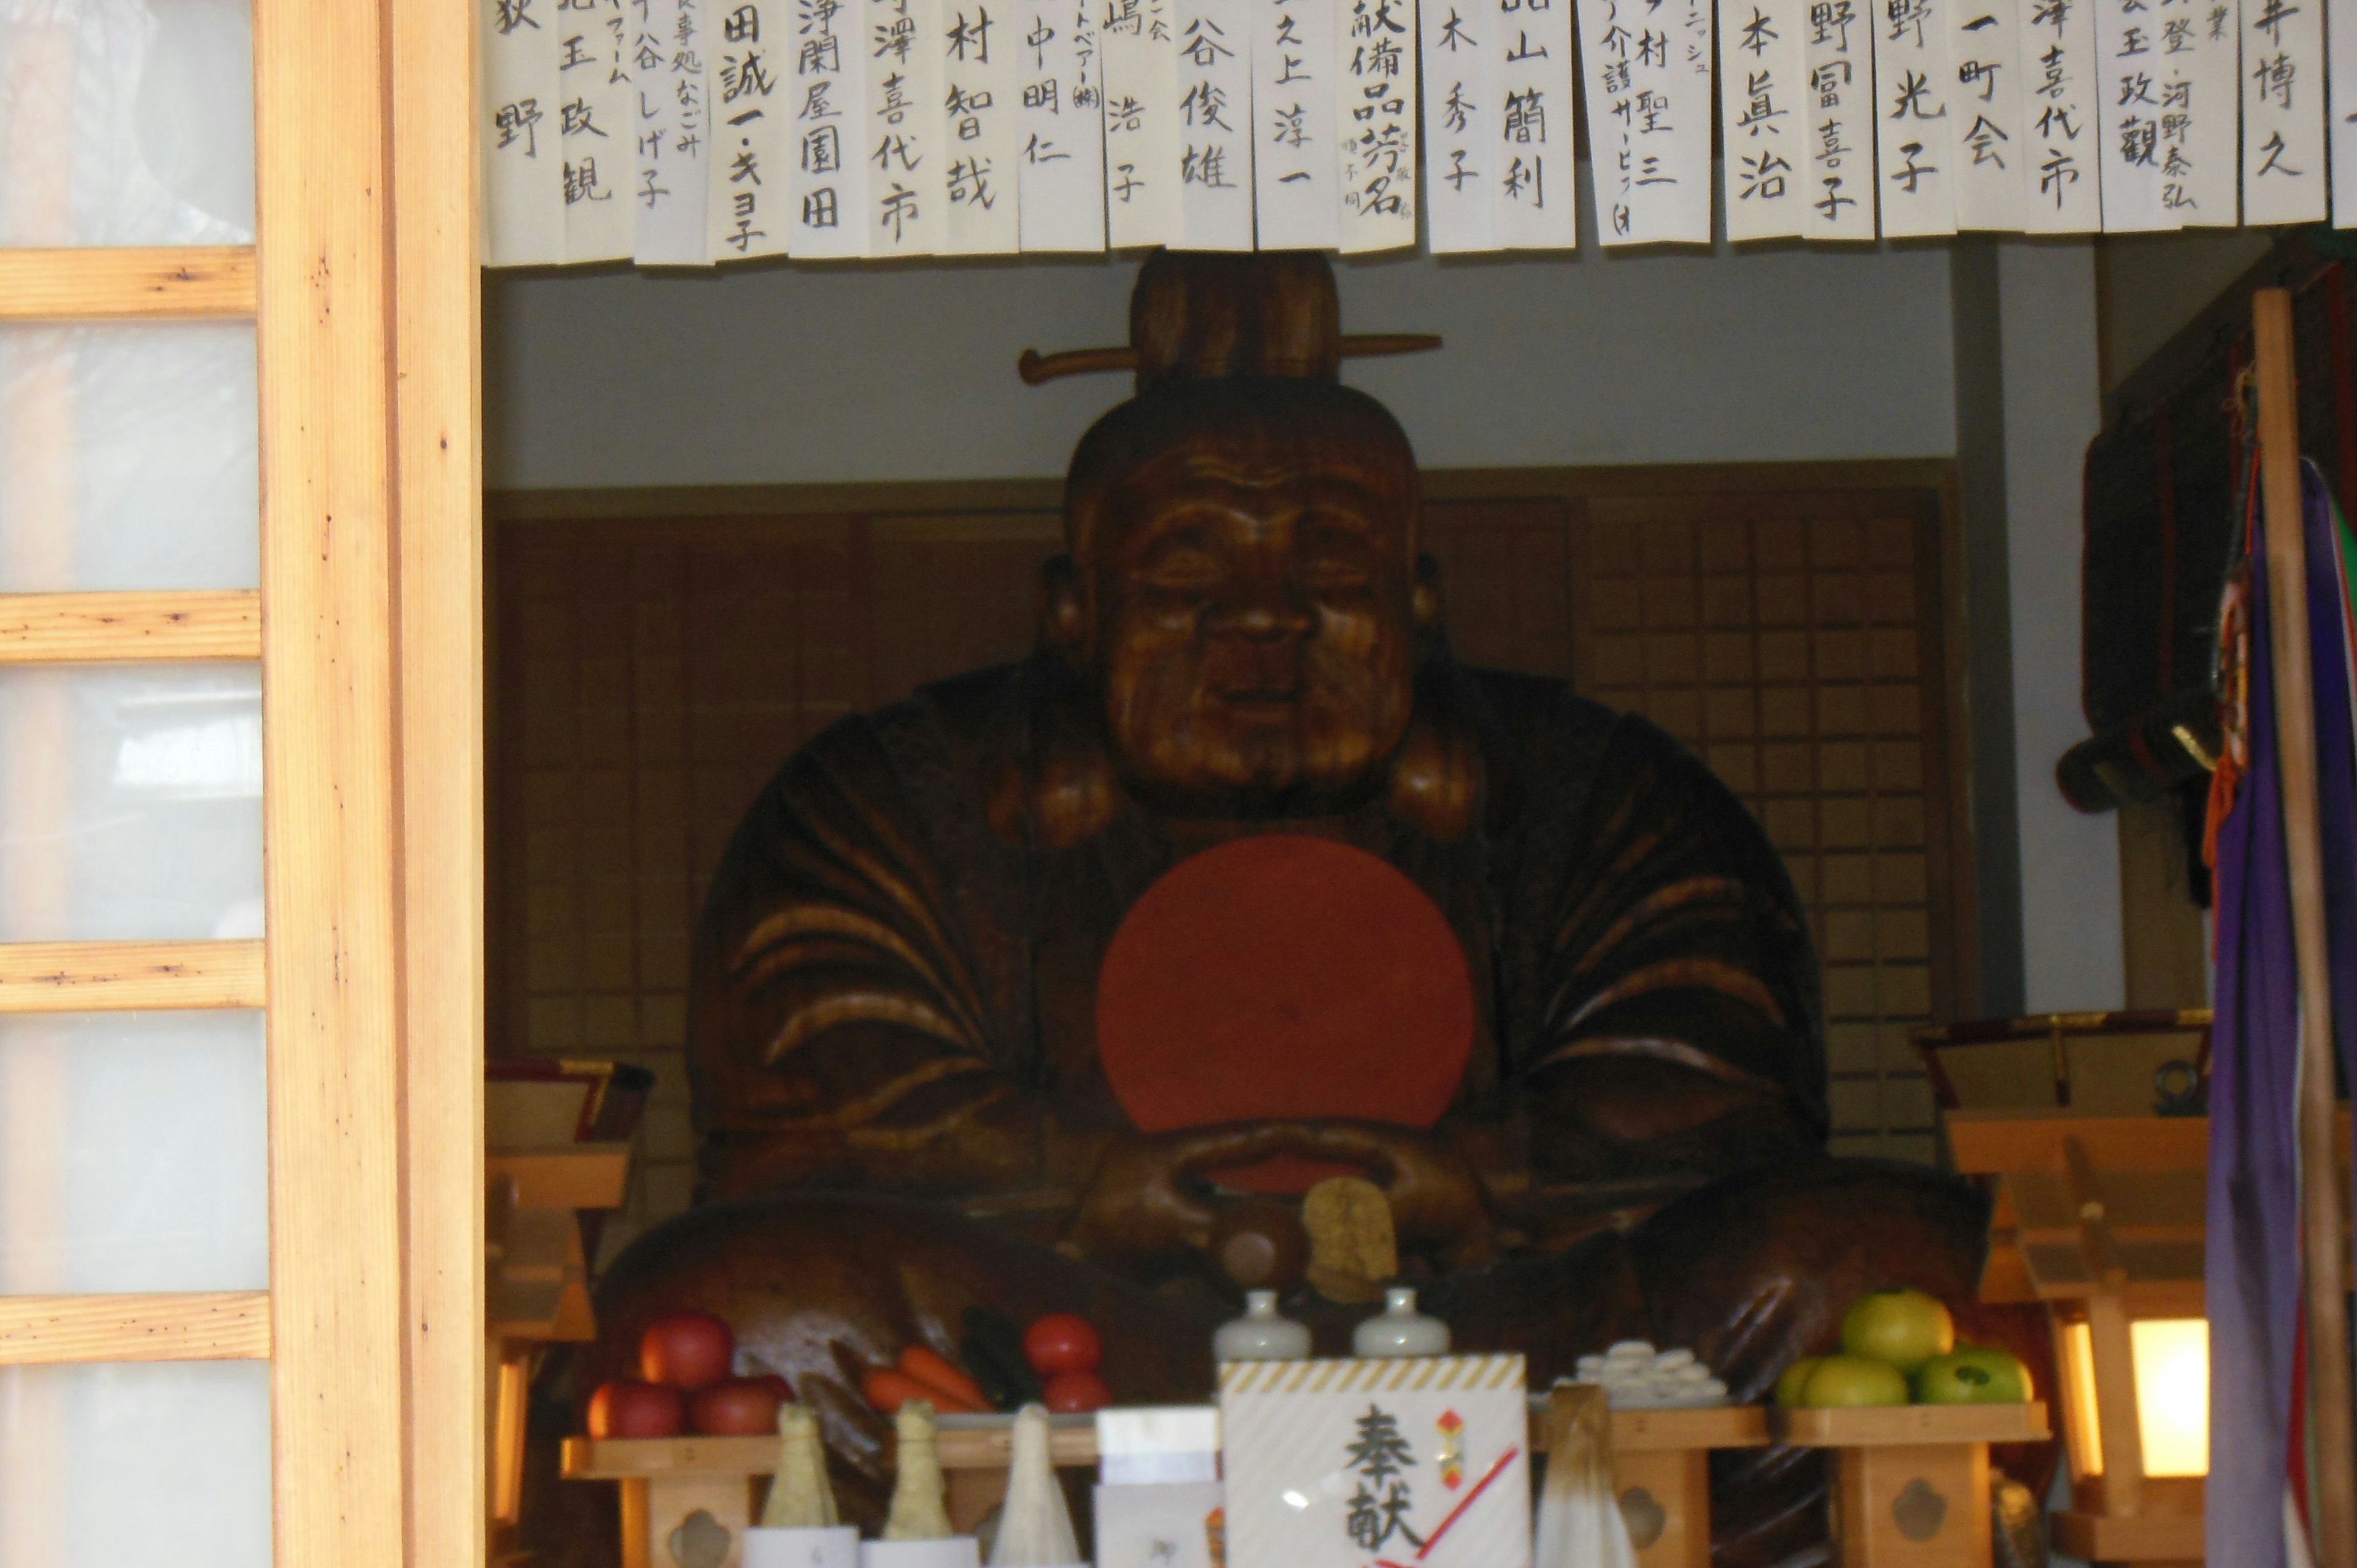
[1280, 977]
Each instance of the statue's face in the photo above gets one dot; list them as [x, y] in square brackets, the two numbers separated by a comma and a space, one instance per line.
[1253, 622]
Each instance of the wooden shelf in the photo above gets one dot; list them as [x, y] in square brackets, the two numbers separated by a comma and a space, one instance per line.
[2146, 1537]
[1911, 1425]
[1718, 1426]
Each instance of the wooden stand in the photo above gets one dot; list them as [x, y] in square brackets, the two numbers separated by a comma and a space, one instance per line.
[1660, 1473]
[1911, 1483]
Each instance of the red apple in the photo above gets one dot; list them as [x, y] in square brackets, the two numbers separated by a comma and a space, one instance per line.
[1074, 1393]
[776, 1385]
[686, 1350]
[1062, 1342]
[733, 1407]
[629, 1408]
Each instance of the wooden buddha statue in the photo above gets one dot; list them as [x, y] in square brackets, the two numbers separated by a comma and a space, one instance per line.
[1010, 993]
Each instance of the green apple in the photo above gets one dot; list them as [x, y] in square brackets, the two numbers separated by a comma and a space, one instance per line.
[1974, 1376]
[1794, 1379]
[1849, 1382]
[1903, 1328]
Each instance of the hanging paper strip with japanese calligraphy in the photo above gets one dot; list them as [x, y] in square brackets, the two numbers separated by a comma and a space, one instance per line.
[1297, 160]
[1460, 105]
[979, 147]
[1986, 139]
[1914, 100]
[1536, 193]
[674, 133]
[2340, 34]
[2127, 116]
[595, 109]
[1060, 160]
[907, 190]
[745, 211]
[2062, 160]
[1375, 123]
[1762, 90]
[828, 189]
[2283, 111]
[523, 173]
[1649, 118]
[1840, 56]
[2198, 124]
[1215, 185]
[1140, 42]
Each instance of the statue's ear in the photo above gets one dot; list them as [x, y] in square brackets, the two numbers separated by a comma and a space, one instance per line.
[1425, 600]
[1063, 615]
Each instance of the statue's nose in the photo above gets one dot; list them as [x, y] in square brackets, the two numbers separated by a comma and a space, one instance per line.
[1276, 609]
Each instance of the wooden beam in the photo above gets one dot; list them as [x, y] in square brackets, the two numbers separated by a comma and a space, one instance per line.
[67, 628]
[100, 284]
[220, 1325]
[115, 977]
[2324, 1225]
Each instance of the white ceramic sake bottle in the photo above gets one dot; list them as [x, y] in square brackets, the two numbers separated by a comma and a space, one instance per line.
[1400, 1329]
[1262, 1334]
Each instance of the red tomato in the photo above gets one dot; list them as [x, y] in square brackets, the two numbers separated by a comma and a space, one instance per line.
[686, 1350]
[1062, 1342]
[733, 1407]
[1073, 1393]
[629, 1408]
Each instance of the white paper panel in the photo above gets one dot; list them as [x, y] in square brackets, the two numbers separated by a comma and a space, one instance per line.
[1461, 109]
[669, 61]
[126, 123]
[981, 101]
[2283, 111]
[1140, 43]
[597, 129]
[1536, 191]
[1649, 102]
[747, 209]
[1914, 104]
[1764, 112]
[2128, 115]
[1841, 108]
[127, 458]
[1215, 185]
[130, 802]
[907, 183]
[1297, 160]
[129, 1466]
[1376, 123]
[2061, 150]
[830, 95]
[135, 1155]
[524, 156]
[1062, 187]
[1985, 114]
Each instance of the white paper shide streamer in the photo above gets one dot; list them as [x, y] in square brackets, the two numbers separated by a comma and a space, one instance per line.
[1215, 182]
[1375, 123]
[2061, 156]
[1536, 195]
[2283, 112]
[1986, 140]
[1296, 156]
[594, 128]
[523, 175]
[1763, 94]
[979, 102]
[751, 137]
[1061, 161]
[1459, 103]
[674, 133]
[1913, 103]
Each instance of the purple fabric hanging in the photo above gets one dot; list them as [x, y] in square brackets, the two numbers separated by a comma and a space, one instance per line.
[2253, 1265]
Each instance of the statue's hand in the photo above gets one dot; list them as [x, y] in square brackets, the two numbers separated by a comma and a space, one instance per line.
[1438, 1199]
[1144, 1200]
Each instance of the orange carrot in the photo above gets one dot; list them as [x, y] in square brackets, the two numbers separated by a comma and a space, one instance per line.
[887, 1389]
[943, 1374]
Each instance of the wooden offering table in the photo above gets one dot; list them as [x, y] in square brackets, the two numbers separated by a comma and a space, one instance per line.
[1911, 1486]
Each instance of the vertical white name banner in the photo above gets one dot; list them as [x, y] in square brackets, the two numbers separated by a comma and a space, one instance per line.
[1375, 123]
[2283, 111]
[1215, 120]
[674, 133]
[907, 186]
[524, 161]
[1984, 112]
[1460, 105]
[752, 138]
[2167, 113]
[1060, 161]
[1841, 108]
[1915, 95]
[1139, 41]
[2341, 35]
[1297, 153]
[828, 187]
[2062, 156]
[2127, 117]
[979, 104]
[595, 111]
[1649, 119]
[1533, 64]
[1763, 94]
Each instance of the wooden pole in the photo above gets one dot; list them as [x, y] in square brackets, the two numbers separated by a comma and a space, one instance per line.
[2324, 1226]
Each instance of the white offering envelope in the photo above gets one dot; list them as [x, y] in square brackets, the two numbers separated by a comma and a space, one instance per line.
[953, 1551]
[836, 1546]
